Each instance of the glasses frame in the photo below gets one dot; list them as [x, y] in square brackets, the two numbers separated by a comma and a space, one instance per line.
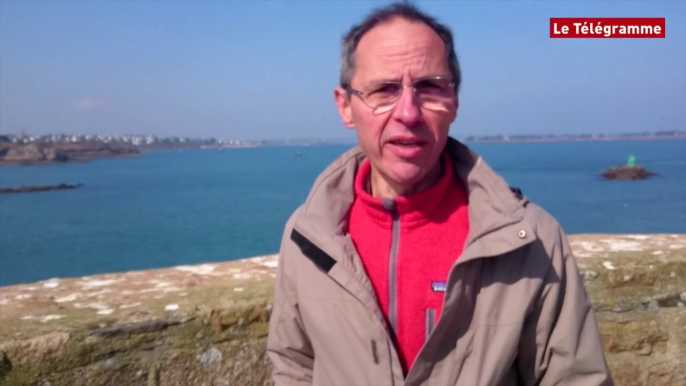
[362, 94]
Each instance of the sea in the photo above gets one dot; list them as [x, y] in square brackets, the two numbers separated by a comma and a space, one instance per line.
[171, 208]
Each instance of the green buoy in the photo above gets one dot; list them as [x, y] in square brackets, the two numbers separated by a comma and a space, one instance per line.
[631, 161]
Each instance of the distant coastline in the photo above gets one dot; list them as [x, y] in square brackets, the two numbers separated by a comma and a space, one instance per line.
[60, 148]
[515, 139]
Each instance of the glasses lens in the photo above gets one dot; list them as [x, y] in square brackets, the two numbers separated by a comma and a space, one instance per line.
[383, 94]
[435, 94]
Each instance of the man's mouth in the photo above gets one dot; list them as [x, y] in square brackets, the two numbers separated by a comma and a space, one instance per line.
[406, 142]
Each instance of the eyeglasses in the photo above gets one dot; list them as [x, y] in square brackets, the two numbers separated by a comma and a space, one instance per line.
[435, 93]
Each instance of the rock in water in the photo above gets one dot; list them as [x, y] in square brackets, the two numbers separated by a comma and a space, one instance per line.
[33, 189]
[627, 173]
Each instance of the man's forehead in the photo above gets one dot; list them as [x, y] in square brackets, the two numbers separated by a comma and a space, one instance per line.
[390, 50]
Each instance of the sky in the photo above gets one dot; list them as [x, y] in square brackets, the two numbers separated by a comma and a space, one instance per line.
[267, 69]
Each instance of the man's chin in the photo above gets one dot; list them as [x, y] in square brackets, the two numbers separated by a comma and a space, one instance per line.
[407, 174]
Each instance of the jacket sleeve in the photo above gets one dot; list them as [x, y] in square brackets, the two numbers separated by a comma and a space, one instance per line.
[560, 343]
[288, 345]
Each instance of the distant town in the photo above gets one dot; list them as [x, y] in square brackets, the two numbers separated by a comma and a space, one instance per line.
[172, 142]
[140, 141]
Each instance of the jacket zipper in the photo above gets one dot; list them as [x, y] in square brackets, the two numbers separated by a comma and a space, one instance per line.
[392, 263]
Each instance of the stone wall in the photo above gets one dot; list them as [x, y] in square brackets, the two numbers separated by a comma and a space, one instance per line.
[207, 325]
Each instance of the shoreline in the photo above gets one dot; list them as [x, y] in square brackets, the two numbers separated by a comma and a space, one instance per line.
[572, 237]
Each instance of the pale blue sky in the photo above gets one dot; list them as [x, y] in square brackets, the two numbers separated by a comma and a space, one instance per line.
[266, 69]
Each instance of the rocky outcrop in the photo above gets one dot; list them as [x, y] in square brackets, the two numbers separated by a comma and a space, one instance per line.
[33, 153]
[207, 324]
[43, 153]
[34, 189]
[627, 173]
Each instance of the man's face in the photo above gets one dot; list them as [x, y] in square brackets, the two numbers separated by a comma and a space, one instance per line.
[405, 143]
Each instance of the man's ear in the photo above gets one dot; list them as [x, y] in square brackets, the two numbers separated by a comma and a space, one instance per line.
[344, 109]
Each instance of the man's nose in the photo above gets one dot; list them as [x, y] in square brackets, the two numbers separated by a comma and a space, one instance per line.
[407, 110]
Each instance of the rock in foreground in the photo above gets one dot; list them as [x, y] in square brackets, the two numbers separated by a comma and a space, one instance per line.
[627, 173]
[207, 324]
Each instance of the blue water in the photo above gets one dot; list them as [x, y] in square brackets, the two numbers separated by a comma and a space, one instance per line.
[170, 208]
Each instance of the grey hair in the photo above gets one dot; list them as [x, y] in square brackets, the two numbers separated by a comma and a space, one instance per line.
[404, 10]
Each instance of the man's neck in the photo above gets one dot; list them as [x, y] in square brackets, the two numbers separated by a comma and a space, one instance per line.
[382, 187]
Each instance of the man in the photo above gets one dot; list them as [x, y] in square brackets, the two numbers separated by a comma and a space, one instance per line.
[412, 262]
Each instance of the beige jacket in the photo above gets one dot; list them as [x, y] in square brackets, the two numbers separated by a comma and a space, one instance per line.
[515, 310]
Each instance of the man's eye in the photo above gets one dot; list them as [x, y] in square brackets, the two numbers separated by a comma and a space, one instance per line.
[386, 89]
[428, 85]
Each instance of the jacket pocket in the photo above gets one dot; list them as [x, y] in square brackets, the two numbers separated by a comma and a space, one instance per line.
[430, 321]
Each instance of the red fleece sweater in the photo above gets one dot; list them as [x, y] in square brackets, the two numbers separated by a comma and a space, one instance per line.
[433, 229]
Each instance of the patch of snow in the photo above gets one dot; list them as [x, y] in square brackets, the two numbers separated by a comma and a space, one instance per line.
[29, 288]
[4, 301]
[52, 283]
[589, 246]
[125, 306]
[638, 237]
[88, 284]
[624, 246]
[238, 289]
[48, 318]
[676, 246]
[658, 253]
[271, 263]
[23, 296]
[106, 311]
[608, 265]
[583, 254]
[69, 298]
[171, 307]
[98, 306]
[205, 269]
[99, 294]
[43, 319]
[241, 276]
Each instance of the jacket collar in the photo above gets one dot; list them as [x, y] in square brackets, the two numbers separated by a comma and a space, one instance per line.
[413, 210]
[495, 214]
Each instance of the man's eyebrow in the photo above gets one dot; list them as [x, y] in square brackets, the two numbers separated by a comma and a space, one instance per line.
[385, 80]
[399, 80]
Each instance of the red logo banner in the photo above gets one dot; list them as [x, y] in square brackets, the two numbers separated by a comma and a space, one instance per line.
[607, 28]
